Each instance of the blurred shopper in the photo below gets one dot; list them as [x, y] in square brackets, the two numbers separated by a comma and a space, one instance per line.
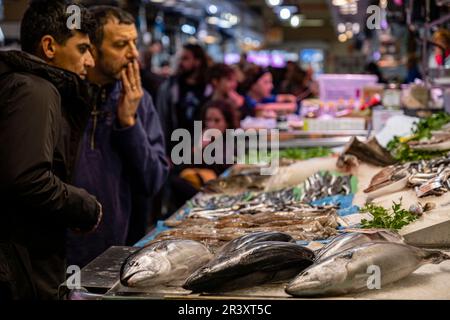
[151, 80]
[294, 81]
[223, 84]
[43, 111]
[181, 96]
[220, 116]
[442, 49]
[258, 86]
[372, 68]
[122, 159]
[412, 66]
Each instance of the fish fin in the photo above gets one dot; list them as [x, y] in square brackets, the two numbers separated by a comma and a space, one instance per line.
[435, 256]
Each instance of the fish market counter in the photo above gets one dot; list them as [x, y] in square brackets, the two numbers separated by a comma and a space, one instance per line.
[283, 211]
[100, 279]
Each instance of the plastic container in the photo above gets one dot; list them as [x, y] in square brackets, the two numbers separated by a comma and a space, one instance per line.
[333, 87]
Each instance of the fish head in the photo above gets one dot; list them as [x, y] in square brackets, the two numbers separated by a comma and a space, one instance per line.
[320, 278]
[144, 269]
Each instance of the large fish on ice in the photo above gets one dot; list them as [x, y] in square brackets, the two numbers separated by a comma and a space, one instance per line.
[349, 271]
[254, 237]
[167, 262]
[253, 264]
[347, 241]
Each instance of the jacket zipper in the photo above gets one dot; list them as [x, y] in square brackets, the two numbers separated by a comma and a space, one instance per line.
[95, 113]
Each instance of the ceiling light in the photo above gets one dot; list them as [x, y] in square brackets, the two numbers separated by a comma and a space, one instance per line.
[342, 37]
[273, 3]
[295, 21]
[341, 28]
[212, 9]
[285, 13]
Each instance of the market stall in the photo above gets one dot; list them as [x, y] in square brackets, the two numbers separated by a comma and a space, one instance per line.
[386, 208]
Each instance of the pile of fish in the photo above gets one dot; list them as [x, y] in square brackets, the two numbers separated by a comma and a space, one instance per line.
[237, 183]
[164, 263]
[370, 152]
[439, 141]
[345, 264]
[322, 185]
[245, 200]
[427, 177]
[301, 221]
[251, 260]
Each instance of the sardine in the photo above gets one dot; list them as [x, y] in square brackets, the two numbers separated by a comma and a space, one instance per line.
[254, 264]
[349, 271]
[164, 262]
[347, 241]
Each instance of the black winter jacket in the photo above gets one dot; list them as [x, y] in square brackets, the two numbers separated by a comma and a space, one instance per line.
[43, 112]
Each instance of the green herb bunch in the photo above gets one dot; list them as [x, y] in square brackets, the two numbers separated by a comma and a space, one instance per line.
[396, 218]
[422, 130]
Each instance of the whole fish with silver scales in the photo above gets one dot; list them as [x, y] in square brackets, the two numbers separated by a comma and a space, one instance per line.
[347, 271]
[250, 265]
[166, 262]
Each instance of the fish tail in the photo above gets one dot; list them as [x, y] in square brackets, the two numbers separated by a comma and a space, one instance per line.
[435, 256]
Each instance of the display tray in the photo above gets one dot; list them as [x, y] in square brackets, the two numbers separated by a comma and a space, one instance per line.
[427, 282]
[102, 273]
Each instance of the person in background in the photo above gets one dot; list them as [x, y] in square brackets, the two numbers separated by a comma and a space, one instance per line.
[372, 68]
[122, 159]
[44, 107]
[223, 82]
[182, 95]
[412, 66]
[220, 116]
[165, 70]
[151, 80]
[258, 86]
[294, 80]
[442, 49]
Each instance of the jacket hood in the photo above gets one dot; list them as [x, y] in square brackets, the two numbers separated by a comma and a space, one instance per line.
[67, 83]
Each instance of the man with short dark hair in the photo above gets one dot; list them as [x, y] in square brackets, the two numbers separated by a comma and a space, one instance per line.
[43, 109]
[122, 160]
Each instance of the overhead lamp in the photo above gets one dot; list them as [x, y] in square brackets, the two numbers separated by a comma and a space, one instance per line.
[213, 20]
[212, 9]
[341, 28]
[339, 3]
[186, 28]
[224, 24]
[273, 3]
[234, 19]
[285, 13]
[342, 37]
[295, 21]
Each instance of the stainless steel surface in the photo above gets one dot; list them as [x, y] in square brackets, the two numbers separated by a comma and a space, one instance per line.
[102, 273]
[319, 142]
